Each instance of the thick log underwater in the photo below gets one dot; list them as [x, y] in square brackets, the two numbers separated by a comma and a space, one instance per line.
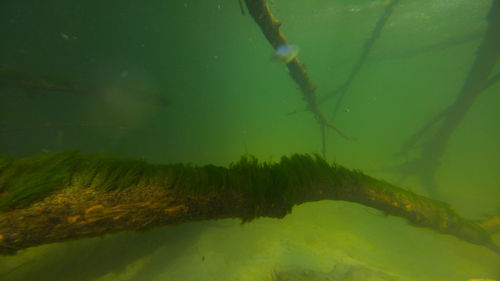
[65, 196]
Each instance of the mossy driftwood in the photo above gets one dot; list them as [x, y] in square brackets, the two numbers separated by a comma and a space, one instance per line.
[65, 196]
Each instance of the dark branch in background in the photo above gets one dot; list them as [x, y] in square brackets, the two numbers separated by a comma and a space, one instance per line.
[242, 9]
[60, 125]
[33, 83]
[477, 81]
[410, 143]
[397, 53]
[394, 55]
[65, 196]
[493, 80]
[362, 59]
[270, 28]
[26, 80]
[435, 47]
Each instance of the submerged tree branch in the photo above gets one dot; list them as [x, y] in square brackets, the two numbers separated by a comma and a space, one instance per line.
[37, 84]
[61, 197]
[411, 142]
[477, 81]
[270, 26]
[398, 54]
[364, 56]
[242, 9]
[495, 78]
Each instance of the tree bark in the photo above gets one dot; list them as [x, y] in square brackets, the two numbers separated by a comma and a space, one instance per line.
[132, 195]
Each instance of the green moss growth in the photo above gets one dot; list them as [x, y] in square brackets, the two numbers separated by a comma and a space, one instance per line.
[27, 180]
[266, 188]
[277, 184]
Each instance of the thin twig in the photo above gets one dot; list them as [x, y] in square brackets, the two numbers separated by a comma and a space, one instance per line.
[410, 143]
[242, 9]
[495, 78]
[364, 55]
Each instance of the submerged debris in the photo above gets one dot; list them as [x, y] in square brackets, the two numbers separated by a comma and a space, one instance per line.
[344, 271]
[285, 53]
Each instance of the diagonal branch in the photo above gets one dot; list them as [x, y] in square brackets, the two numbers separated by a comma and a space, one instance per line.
[477, 81]
[411, 142]
[362, 59]
[262, 15]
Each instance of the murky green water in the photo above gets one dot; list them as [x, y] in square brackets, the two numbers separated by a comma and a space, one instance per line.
[193, 81]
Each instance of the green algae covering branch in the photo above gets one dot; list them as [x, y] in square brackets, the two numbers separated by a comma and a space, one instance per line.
[59, 197]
